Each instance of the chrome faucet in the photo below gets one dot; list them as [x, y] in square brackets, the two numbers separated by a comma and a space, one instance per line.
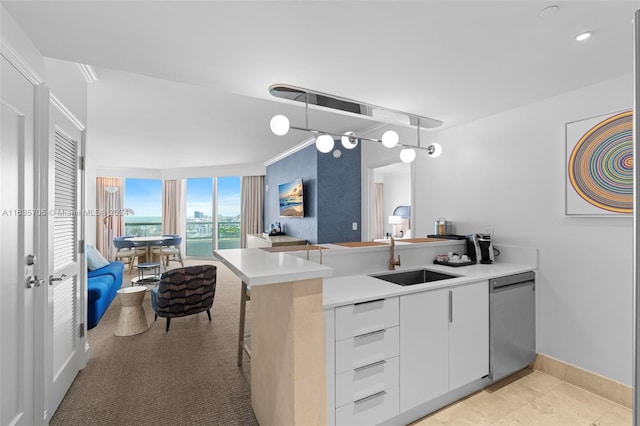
[392, 261]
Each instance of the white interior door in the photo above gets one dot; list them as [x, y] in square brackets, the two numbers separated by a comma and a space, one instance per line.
[17, 219]
[65, 325]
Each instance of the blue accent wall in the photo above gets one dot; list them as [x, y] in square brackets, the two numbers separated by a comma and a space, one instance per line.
[332, 194]
[339, 196]
[304, 164]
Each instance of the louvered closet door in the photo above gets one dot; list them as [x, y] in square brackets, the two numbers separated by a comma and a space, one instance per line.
[65, 325]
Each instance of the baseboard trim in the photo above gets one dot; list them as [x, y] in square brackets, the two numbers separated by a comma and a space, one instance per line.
[602, 386]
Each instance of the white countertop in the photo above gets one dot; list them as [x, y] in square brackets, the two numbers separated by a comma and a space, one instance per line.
[346, 290]
[258, 267]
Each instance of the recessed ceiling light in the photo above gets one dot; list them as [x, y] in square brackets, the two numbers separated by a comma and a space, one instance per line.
[548, 11]
[583, 36]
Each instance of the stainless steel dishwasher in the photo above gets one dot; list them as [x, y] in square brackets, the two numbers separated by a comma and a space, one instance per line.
[512, 322]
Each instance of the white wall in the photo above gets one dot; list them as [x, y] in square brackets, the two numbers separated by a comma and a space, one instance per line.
[508, 172]
[15, 39]
[66, 82]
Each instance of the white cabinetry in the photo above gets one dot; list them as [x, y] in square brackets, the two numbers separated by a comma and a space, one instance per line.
[444, 341]
[424, 344]
[469, 334]
[366, 362]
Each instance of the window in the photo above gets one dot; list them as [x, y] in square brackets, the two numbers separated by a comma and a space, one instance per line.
[199, 227]
[228, 212]
[144, 197]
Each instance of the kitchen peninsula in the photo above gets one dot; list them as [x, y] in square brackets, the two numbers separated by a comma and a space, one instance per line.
[288, 374]
[309, 321]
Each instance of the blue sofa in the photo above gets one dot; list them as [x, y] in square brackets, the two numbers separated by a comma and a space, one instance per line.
[102, 284]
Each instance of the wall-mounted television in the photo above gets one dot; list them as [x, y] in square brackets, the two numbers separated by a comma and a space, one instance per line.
[291, 198]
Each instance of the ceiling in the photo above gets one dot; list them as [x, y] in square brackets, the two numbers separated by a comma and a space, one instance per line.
[185, 83]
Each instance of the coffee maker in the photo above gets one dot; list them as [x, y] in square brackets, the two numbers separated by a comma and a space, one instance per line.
[480, 248]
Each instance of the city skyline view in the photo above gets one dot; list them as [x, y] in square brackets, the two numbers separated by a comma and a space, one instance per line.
[144, 197]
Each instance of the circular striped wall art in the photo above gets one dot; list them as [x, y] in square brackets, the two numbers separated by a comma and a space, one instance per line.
[601, 164]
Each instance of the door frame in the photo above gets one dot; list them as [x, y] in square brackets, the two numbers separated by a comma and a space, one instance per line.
[367, 231]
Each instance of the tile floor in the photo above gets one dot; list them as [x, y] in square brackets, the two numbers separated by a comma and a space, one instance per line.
[531, 398]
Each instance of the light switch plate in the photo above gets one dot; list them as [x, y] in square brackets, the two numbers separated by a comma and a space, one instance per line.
[354, 226]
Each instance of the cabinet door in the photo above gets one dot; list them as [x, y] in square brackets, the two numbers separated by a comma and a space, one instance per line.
[424, 347]
[469, 334]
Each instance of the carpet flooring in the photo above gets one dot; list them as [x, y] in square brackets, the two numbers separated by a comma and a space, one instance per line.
[187, 376]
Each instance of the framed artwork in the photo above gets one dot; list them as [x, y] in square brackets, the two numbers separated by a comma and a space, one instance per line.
[599, 179]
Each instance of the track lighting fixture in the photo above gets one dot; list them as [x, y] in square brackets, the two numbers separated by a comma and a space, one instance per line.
[325, 140]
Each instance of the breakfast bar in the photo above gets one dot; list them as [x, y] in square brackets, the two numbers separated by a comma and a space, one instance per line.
[288, 373]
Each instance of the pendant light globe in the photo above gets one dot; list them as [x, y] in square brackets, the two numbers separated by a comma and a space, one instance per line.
[324, 143]
[390, 139]
[434, 150]
[279, 125]
[407, 155]
[349, 141]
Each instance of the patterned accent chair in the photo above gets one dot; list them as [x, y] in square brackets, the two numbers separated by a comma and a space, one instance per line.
[184, 291]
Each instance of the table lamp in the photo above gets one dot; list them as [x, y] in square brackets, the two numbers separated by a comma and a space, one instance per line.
[395, 221]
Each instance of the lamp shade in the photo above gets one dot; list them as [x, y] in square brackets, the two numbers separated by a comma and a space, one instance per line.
[324, 143]
[111, 189]
[407, 155]
[390, 139]
[395, 220]
[279, 125]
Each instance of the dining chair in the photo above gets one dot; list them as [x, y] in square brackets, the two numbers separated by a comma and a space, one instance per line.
[171, 250]
[127, 251]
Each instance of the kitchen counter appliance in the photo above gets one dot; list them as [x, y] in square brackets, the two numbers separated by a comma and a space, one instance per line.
[480, 248]
[512, 324]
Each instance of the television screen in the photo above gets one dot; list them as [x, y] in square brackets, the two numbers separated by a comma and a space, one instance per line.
[291, 198]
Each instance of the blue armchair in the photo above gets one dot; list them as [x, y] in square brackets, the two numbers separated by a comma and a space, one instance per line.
[184, 291]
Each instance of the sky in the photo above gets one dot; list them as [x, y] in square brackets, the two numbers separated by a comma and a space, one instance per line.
[144, 196]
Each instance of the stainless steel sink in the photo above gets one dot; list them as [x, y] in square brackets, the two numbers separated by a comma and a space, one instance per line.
[416, 276]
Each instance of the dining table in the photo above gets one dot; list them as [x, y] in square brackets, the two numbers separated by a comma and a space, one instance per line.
[148, 242]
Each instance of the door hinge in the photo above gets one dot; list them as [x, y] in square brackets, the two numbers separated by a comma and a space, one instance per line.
[81, 162]
[81, 246]
[81, 333]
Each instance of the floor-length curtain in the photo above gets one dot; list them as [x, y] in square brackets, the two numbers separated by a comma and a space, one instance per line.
[252, 207]
[378, 219]
[172, 196]
[109, 215]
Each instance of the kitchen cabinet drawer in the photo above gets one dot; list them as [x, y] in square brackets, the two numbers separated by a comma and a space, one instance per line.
[366, 349]
[367, 380]
[362, 318]
[371, 410]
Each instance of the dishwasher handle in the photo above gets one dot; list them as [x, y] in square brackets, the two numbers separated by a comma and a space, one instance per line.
[511, 281]
[503, 288]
